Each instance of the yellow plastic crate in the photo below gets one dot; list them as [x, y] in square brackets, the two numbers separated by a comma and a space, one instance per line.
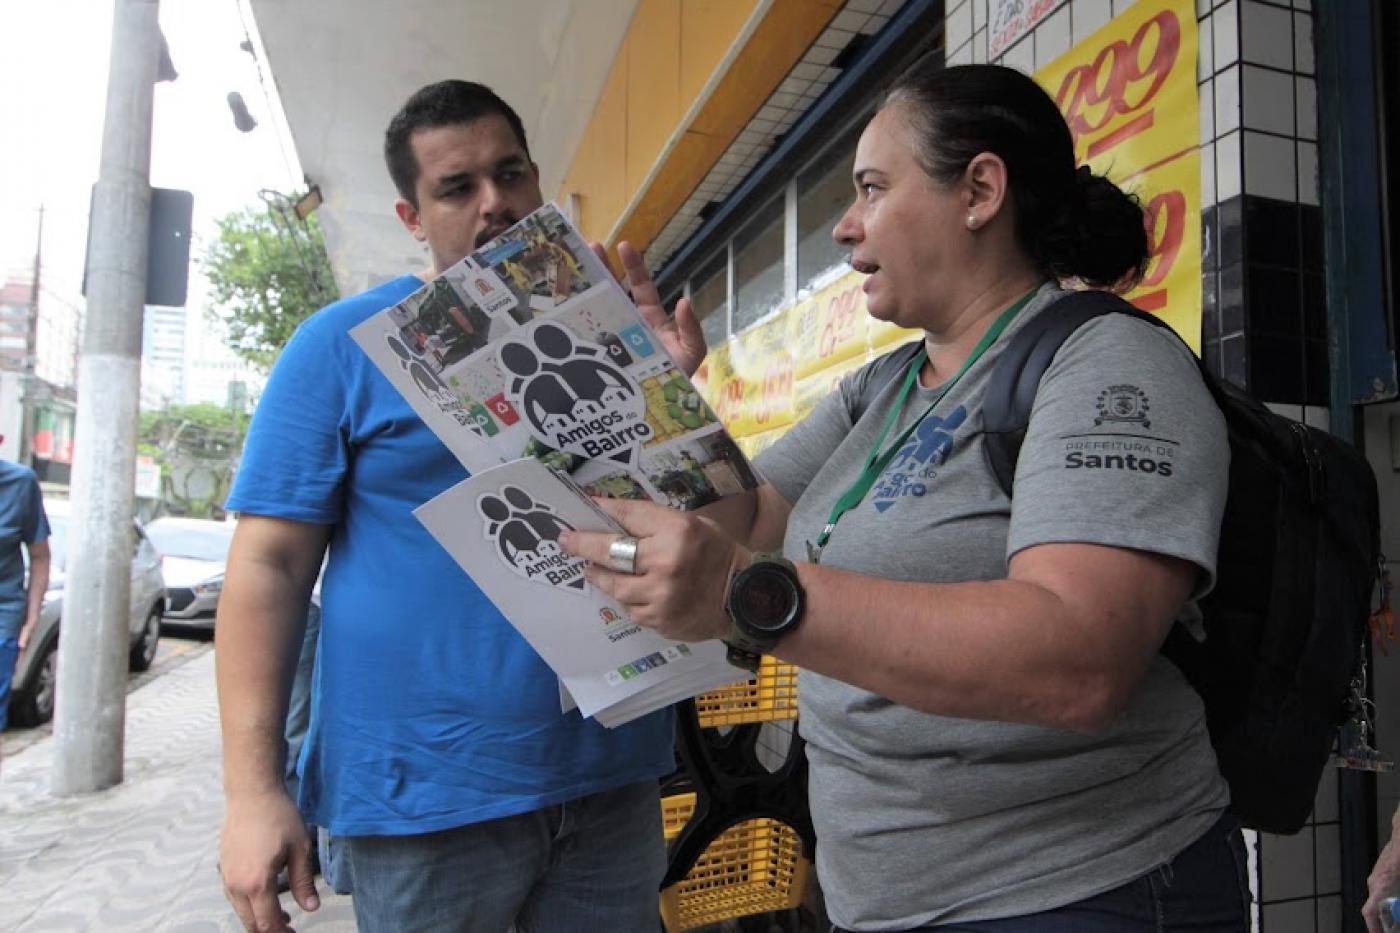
[770, 697]
[675, 810]
[751, 868]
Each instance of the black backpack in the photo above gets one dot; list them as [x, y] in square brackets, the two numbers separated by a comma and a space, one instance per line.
[1299, 557]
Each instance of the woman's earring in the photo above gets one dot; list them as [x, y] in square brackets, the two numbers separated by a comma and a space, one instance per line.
[972, 221]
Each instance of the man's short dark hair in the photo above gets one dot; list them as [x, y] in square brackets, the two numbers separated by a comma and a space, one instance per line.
[447, 103]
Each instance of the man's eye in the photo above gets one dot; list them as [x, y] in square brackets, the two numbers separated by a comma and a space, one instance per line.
[511, 177]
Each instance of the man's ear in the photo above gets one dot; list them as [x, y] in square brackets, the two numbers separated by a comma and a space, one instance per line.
[408, 216]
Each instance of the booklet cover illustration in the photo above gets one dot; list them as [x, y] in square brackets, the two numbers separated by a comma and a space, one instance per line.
[502, 527]
[529, 348]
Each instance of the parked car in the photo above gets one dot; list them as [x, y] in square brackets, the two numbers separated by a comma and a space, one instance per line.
[36, 674]
[193, 554]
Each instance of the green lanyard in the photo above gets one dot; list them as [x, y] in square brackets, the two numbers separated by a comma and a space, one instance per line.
[875, 462]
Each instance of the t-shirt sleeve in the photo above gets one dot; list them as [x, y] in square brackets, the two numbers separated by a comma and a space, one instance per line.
[36, 520]
[1125, 447]
[296, 456]
[794, 459]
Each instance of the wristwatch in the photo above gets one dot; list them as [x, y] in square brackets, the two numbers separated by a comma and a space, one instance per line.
[765, 601]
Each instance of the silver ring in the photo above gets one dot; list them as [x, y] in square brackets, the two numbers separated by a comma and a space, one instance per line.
[622, 554]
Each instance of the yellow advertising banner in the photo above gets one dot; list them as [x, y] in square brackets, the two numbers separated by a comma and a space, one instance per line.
[1128, 93]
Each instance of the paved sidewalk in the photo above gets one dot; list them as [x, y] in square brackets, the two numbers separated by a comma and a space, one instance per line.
[140, 856]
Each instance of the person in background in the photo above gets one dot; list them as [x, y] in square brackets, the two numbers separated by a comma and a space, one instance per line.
[436, 754]
[24, 533]
[996, 743]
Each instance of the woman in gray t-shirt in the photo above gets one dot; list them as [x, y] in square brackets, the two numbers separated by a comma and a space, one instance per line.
[995, 741]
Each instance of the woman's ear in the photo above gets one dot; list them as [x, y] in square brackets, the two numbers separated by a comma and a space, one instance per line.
[985, 187]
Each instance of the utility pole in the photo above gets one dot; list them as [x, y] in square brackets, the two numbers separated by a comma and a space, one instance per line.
[90, 718]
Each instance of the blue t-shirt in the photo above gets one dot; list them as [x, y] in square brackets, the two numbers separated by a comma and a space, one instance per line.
[430, 711]
[22, 521]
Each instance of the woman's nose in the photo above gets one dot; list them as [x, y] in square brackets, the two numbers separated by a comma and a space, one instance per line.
[847, 230]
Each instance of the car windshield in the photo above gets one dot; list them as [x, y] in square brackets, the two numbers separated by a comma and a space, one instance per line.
[195, 542]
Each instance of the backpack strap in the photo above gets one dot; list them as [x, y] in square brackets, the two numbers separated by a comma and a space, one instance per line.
[885, 370]
[1011, 389]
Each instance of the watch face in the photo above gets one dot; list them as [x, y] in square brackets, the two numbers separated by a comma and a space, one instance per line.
[767, 600]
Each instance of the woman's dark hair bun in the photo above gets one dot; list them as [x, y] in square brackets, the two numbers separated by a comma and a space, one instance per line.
[1101, 239]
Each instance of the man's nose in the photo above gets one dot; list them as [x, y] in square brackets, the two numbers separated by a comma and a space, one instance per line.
[493, 199]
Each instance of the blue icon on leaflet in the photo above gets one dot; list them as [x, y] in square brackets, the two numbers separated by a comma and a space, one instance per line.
[637, 340]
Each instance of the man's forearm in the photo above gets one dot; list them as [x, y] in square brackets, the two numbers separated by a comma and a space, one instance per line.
[38, 587]
[262, 616]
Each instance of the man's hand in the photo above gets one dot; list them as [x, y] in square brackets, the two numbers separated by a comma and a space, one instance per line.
[1385, 877]
[680, 333]
[262, 835]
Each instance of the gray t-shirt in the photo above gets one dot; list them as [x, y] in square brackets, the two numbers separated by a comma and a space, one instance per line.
[925, 818]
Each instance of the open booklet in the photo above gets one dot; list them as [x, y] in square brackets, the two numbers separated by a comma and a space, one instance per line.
[528, 352]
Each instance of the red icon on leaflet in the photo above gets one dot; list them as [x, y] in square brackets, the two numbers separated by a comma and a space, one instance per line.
[502, 409]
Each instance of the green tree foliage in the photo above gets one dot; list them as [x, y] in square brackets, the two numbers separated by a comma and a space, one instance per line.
[268, 271]
[197, 448]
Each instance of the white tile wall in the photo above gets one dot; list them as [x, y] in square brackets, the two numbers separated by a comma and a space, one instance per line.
[1089, 16]
[1021, 56]
[1207, 175]
[1206, 96]
[1328, 852]
[1052, 36]
[1287, 864]
[979, 14]
[958, 27]
[1229, 168]
[1325, 806]
[1266, 34]
[1295, 917]
[1205, 49]
[1268, 100]
[1225, 34]
[1305, 96]
[1308, 183]
[1270, 166]
[979, 46]
[1227, 101]
[962, 56]
[1303, 43]
[1329, 914]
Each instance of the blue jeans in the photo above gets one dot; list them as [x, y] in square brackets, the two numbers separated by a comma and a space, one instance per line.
[9, 656]
[1204, 889]
[591, 864]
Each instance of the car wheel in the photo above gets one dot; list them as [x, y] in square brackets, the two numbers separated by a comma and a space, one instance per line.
[144, 651]
[33, 706]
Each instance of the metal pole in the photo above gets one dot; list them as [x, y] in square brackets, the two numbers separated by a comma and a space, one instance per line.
[90, 718]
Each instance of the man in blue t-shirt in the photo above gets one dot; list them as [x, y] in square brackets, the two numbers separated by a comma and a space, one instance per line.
[461, 798]
[23, 525]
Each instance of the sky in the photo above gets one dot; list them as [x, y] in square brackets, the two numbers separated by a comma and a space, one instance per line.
[52, 91]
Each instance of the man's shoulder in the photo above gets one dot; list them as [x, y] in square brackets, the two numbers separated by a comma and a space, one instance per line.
[11, 472]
